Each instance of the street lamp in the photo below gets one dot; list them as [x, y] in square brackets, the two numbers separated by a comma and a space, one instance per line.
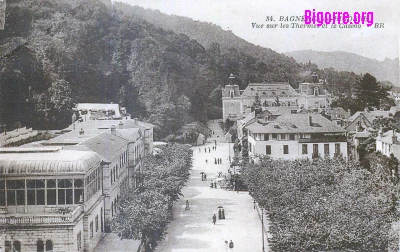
[262, 228]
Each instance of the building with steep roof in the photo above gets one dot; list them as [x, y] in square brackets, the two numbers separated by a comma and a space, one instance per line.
[364, 119]
[296, 136]
[237, 104]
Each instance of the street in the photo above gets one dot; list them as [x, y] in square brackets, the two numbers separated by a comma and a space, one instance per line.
[193, 230]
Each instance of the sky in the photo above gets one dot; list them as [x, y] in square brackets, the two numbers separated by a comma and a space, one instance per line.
[238, 16]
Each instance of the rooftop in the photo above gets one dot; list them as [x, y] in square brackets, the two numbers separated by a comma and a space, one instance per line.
[269, 89]
[39, 161]
[296, 123]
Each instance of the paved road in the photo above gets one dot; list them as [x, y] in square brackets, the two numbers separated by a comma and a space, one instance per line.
[193, 230]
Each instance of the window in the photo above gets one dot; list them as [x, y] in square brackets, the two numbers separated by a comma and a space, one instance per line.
[96, 223]
[250, 147]
[112, 209]
[304, 149]
[79, 241]
[266, 137]
[40, 246]
[337, 148]
[15, 192]
[326, 149]
[274, 136]
[291, 137]
[283, 136]
[315, 150]
[78, 191]
[64, 191]
[286, 149]
[35, 192]
[268, 149]
[49, 245]
[2, 193]
[51, 192]
[91, 229]
[293, 111]
[17, 246]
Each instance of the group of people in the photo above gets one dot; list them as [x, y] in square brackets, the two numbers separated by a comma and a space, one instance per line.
[214, 148]
[217, 160]
[213, 185]
[221, 216]
[203, 176]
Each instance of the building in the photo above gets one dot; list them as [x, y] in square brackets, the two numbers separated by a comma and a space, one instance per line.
[296, 136]
[237, 104]
[338, 115]
[364, 119]
[100, 111]
[50, 199]
[388, 143]
[78, 179]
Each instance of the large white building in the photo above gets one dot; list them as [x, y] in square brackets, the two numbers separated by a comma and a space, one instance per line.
[62, 194]
[275, 97]
[295, 136]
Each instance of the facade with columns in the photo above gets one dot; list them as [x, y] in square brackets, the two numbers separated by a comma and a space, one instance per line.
[279, 97]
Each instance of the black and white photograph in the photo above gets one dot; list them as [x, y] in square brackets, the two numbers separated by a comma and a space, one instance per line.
[199, 126]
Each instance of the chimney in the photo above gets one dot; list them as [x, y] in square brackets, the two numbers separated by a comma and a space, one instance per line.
[113, 131]
[349, 111]
[136, 121]
[366, 109]
[309, 120]
[257, 111]
[81, 132]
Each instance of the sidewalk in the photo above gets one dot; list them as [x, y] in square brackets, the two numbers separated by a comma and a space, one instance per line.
[193, 230]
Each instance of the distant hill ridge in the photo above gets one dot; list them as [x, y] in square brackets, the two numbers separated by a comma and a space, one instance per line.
[386, 70]
[203, 32]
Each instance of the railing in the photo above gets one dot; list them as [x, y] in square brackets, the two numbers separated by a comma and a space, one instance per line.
[42, 219]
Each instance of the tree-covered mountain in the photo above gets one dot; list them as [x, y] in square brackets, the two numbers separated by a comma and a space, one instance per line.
[207, 34]
[55, 53]
[386, 70]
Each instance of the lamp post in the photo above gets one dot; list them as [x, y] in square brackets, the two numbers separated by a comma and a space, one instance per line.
[262, 228]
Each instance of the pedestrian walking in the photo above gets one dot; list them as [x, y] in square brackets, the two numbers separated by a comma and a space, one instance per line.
[219, 214]
[214, 219]
[226, 245]
[223, 214]
[187, 205]
[205, 177]
[218, 160]
[209, 150]
[212, 185]
[205, 150]
[215, 160]
[231, 244]
[199, 150]
[206, 161]
[215, 185]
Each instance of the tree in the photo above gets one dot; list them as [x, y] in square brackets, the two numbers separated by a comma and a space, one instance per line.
[370, 91]
[323, 205]
[146, 211]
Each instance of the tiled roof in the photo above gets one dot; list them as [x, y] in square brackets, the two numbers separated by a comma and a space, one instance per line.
[269, 89]
[131, 134]
[22, 161]
[107, 145]
[100, 106]
[296, 123]
[337, 113]
[370, 115]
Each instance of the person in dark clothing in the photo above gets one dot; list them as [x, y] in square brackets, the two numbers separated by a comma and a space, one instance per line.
[223, 214]
[219, 214]
[205, 177]
[215, 185]
[215, 160]
[231, 244]
[212, 185]
[187, 205]
[205, 150]
[214, 219]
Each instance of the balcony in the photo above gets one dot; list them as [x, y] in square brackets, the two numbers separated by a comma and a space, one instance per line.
[34, 219]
